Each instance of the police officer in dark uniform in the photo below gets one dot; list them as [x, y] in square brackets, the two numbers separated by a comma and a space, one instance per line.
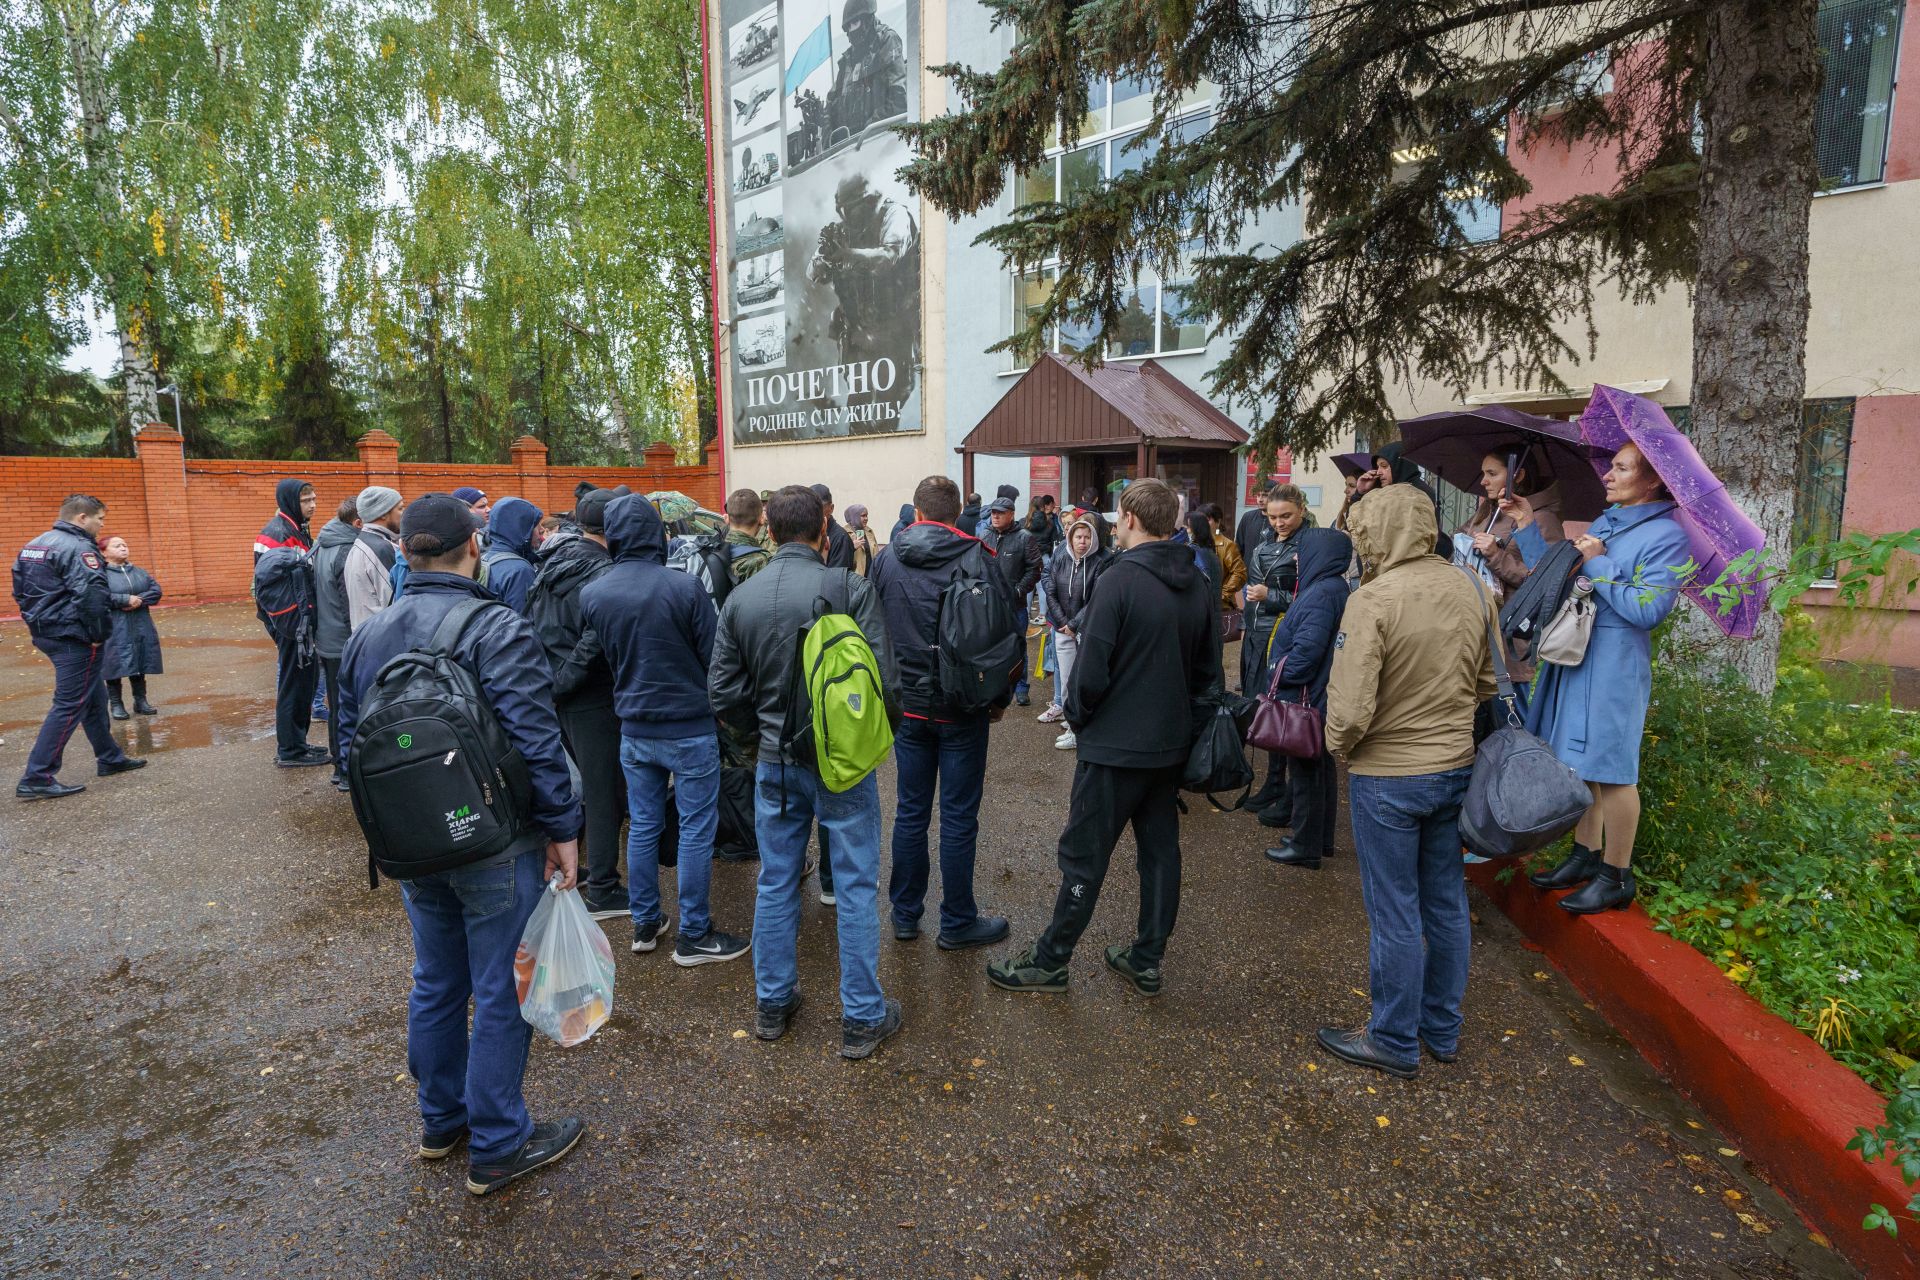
[61, 588]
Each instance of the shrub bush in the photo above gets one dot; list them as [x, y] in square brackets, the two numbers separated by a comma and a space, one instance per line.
[1782, 838]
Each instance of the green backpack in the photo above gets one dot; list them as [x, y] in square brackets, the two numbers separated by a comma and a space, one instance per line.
[837, 722]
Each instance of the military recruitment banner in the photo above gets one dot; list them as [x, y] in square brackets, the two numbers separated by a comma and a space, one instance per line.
[823, 267]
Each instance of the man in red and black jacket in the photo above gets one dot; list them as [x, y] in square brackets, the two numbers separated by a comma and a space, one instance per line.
[938, 744]
[295, 682]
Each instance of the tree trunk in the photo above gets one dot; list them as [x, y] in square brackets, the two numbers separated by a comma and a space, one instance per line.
[1761, 79]
[87, 51]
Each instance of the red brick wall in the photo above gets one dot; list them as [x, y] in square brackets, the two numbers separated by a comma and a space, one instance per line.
[192, 522]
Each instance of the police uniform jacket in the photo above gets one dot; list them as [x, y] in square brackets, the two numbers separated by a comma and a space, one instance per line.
[60, 586]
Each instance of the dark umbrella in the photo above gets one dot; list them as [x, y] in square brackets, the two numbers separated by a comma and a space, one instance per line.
[1353, 464]
[1452, 442]
[1718, 531]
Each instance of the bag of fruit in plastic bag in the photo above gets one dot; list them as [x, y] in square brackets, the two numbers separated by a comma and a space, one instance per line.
[564, 968]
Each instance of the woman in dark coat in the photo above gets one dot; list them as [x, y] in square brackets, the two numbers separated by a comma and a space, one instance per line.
[1303, 651]
[133, 650]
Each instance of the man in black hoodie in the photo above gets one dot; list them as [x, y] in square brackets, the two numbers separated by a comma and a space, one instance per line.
[583, 694]
[295, 683]
[939, 744]
[656, 626]
[331, 622]
[1150, 645]
[840, 553]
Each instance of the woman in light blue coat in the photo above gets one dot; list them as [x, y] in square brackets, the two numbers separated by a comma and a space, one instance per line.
[1593, 715]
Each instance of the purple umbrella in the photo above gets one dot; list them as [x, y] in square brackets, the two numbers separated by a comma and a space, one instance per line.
[1352, 464]
[1718, 531]
[1451, 443]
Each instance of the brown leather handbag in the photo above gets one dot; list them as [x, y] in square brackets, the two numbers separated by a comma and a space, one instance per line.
[1233, 625]
[1292, 728]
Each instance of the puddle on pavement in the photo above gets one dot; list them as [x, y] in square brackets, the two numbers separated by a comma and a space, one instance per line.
[206, 721]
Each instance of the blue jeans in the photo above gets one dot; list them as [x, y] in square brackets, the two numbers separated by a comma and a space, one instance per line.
[466, 927]
[954, 757]
[786, 800]
[1407, 831]
[694, 764]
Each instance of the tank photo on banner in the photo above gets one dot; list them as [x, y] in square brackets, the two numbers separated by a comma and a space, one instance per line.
[823, 269]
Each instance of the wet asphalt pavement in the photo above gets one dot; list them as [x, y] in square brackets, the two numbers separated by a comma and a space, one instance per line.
[205, 1068]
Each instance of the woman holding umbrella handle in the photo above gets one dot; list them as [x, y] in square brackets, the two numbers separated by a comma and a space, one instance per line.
[1593, 715]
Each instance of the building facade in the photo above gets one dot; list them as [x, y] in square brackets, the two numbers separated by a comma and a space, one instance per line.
[965, 300]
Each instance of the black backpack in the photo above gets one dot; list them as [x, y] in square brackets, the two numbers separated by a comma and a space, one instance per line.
[283, 592]
[982, 644]
[436, 782]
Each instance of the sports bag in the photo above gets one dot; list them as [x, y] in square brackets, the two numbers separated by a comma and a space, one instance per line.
[837, 722]
[982, 644]
[283, 590]
[436, 782]
[1520, 797]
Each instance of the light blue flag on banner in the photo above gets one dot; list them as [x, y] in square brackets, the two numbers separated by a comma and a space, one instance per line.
[813, 52]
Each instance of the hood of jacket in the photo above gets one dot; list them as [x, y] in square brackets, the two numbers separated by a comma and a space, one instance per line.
[1403, 471]
[1324, 553]
[510, 524]
[286, 500]
[1093, 523]
[1167, 560]
[1393, 526]
[926, 545]
[906, 513]
[635, 530]
[573, 558]
[335, 533]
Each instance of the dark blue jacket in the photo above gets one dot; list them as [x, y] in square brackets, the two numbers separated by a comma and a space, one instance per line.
[60, 585]
[655, 625]
[509, 553]
[910, 573]
[503, 653]
[1304, 638]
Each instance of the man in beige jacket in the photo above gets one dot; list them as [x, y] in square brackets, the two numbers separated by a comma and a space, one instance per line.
[1410, 666]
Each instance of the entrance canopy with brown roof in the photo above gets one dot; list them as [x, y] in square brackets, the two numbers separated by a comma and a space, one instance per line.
[1059, 407]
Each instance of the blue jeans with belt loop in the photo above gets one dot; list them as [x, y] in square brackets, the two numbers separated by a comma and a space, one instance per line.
[1407, 831]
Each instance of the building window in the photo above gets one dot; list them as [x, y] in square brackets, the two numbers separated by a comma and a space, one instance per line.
[1478, 218]
[1156, 318]
[1859, 44]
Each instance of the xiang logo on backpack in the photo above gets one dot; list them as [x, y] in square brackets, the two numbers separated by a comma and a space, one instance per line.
[981, 642]
[428, 744]
[837, 723]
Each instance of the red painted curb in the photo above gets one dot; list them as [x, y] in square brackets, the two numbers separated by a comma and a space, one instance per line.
[1792, 1108]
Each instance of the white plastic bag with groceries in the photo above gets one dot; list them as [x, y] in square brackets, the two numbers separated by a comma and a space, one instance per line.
[564, 968]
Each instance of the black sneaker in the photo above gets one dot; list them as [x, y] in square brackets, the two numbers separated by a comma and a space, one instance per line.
[305, 758]
[771, 1024]
[1024, 972]
[610, 907]
[108, 768]
[1145, 978]
[906, 930]
[713, 948]
[647, 936]
[548, 1143]
[438, 1146]
[860, 1039]
[983, 932]
[341, 784]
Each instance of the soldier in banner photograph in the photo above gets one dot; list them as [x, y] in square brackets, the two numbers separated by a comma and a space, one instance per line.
[871, 258]
[871, 81]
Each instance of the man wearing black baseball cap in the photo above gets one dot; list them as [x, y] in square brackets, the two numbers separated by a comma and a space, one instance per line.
[463, 939]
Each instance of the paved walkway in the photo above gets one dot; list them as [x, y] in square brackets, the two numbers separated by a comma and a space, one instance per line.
[205, 1069]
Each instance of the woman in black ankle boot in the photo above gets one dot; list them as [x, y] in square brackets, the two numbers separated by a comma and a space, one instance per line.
[133, 650]
[1593, 715]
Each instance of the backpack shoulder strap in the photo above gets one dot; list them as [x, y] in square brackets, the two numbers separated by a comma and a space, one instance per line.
[1495, 647]
[447, 635]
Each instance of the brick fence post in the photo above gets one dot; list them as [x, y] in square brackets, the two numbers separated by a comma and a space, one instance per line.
[163, 476]
[380, 455]
[530, 471]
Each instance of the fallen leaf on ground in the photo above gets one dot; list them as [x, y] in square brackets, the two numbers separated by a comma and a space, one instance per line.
[1382, 1121]
[1728, 1151]
[1189, 1119]
[1576, 1060]
[739, 1035]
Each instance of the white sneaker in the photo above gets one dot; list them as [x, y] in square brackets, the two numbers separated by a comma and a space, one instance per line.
[1066, 741]
[1051, 714]
[828, 900]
